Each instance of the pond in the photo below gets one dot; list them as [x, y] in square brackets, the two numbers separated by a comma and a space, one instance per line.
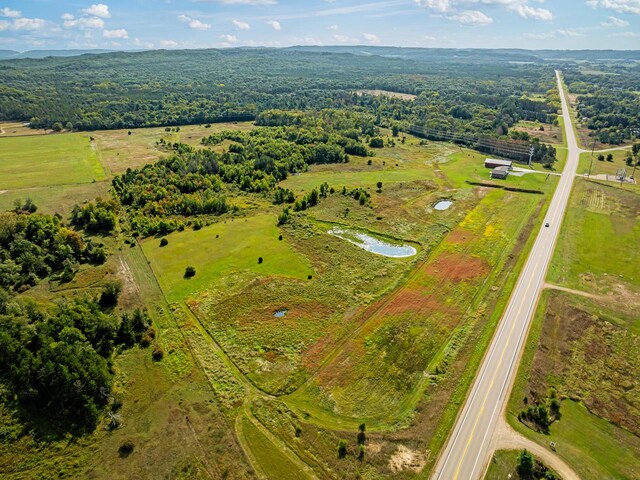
[443, 204]
[280, 313]
[372, 244]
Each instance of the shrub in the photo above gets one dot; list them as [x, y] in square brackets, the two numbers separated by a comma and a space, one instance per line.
[110, 294]
[342, 448]
[376, 142]
[525, 464]
[189, 272]
[362, 437]
[164, 242]
[126, 448]
[158, 353]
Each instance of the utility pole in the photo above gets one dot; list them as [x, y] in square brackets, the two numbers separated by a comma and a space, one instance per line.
[531, 150]
[593, 148]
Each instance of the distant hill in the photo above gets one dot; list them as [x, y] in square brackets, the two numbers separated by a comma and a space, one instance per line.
[9, 54]
[467, 55]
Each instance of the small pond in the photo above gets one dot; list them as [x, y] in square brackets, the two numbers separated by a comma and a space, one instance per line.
[372, 244]
[443, 204]
[280, 313]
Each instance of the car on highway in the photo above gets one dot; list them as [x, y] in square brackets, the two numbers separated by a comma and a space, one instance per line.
[546, 224]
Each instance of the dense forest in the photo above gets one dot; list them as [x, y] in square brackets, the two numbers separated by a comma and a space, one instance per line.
[608, 100]
[35, 246]
[128, 90]
[55, 363]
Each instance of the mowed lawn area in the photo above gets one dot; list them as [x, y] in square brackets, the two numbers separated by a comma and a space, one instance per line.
[221, 249]
[43, 160]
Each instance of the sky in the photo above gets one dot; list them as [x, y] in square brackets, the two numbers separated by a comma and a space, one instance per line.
[171, 24]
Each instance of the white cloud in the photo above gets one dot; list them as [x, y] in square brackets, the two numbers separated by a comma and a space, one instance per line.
[119, 33]
[4, 25]
[9, 12]
[240, 2]
[569, 33]
[67, 16]
[472, 17]
[84, 22]
[625, 34]
[139, 43]
[615, 22]
[229, 38]
[98, 10]
[619, 6]
[194, 23]
[28, 24]
[333, 27]
[241, 25]
[525, 11]
[275, 25]
[341, 38]
[440, 6]
[168, 43]
[452, 9]
[371, 38]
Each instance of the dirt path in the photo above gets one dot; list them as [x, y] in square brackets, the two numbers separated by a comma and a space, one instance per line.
[571, 290]
[506, 438]
[610, 149]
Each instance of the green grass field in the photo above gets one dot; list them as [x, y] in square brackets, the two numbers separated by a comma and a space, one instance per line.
[220, 331]
[42, 160]
[272, 463]
[586, 347]
[599, 167]
[56, 198]
[236, 250]
[596, 241]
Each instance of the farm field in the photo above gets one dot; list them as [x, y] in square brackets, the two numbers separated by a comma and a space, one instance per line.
[340, 303]
[43, 160]
[222, 249]
[120, 150]
[18, 129]
[56, 198]
[584, 340]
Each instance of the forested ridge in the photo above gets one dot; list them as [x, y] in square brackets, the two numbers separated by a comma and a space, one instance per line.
[128, 90]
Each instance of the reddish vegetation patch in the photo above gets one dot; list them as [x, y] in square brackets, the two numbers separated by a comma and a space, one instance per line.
[414, 301]
[458, 267]
[459, 236]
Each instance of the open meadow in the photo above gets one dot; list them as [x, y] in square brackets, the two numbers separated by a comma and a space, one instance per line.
[294, 335]
[585, 337]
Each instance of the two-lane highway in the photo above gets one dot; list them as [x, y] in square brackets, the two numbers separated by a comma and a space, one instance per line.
[468, 448]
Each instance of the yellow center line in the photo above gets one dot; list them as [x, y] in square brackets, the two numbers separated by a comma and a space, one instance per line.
[493, 379]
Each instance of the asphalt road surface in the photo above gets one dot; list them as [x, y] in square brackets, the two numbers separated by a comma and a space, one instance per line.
[468, 451]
